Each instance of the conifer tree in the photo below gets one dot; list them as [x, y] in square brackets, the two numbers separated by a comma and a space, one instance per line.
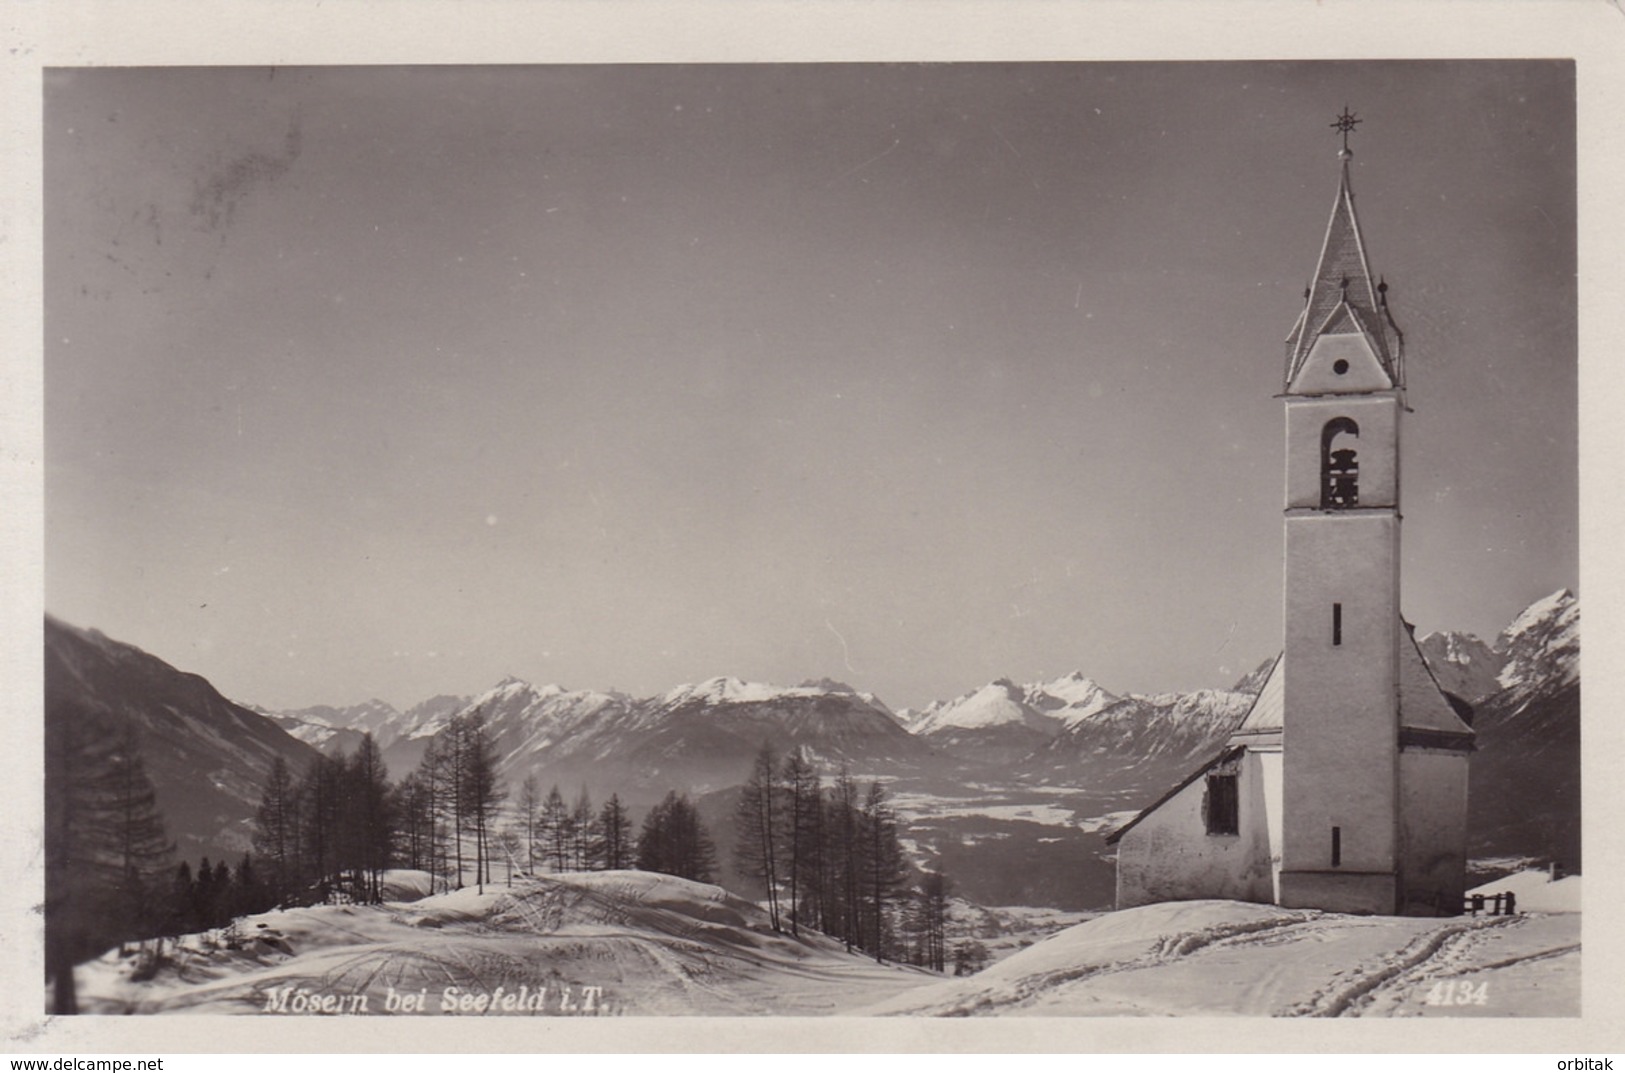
[615, 828]
[530, 819]
[410, 805]
[203, 894]
[250, 893]
[760, 828]
[106, 854]
[455, 761]
[142, 846]
[803, 805]
[182, 917]
[883, 869]
[556, 824]
[367, 810]
[674, 841]
[845, 848]
[929, 920]
[276, 832]
[435, 774]
[482, 790]
[583, 832]
[321, 831]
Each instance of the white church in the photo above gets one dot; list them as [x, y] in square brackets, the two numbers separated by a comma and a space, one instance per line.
[1345, 788]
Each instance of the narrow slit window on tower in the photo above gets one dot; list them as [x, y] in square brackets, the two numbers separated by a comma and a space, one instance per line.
[1337, 624]
[1223, 805]
[1337, 846]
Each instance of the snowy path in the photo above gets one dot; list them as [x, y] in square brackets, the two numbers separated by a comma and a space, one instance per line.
[1217, 958]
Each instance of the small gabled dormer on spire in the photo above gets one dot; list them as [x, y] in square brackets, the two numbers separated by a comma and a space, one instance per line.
[1344, 341]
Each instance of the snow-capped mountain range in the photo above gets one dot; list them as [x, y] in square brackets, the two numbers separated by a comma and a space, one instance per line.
[699, 735]
[702, 736]
[697, 728]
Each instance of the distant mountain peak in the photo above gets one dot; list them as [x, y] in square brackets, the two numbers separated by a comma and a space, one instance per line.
[1558, 606]
[1253, 680]
[826, 685]
[726, 689]
[1542, 645]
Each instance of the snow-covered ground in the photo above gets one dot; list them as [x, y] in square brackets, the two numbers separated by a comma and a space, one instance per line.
[648, 944]
[1218, 957]
[638, 943]
[1536, 892]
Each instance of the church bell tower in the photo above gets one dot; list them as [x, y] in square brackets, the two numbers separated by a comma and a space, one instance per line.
[1344, 396]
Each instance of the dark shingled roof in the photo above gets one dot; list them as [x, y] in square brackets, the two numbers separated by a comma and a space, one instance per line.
[1344, 276]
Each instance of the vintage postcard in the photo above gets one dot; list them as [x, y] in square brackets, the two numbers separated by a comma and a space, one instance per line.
[669, 527]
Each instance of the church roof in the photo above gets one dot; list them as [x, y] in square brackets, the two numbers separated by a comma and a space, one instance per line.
[1426, 719]
[1343, 298]
[1228, 753]
[1263, 719]
[1426, 716]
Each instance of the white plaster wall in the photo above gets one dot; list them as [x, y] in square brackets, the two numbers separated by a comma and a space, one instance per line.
[1433, 793]
[1169, 856]
[1372, 894]
[1377, 447]
[1269, 772]
[1339, 702]
[1319, 373]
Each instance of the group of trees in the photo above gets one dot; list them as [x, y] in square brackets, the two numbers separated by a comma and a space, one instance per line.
[829, 858]
[448, 809]
[331, 829]
[673, 840]
[569, 837]
[337, 827]
[214, 896]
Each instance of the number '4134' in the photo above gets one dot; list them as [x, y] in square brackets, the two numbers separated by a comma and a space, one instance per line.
[1458, 993]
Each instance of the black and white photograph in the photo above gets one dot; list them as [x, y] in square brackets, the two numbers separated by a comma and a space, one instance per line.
[876, 539]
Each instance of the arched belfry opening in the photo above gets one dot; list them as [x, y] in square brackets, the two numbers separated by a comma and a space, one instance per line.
[1339, 465]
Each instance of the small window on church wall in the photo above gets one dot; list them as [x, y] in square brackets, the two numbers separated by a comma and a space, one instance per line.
[1339, 466]
[1222, 805]
[1337, 846]
[1337, 624]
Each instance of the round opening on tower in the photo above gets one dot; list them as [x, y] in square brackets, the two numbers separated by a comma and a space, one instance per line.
[1340, 366]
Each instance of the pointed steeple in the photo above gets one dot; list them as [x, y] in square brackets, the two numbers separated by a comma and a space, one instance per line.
[1342, 299]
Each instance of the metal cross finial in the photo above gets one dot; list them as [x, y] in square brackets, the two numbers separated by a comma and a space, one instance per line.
[1345, 125]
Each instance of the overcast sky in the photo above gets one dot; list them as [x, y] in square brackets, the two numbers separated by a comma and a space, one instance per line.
[392, 381]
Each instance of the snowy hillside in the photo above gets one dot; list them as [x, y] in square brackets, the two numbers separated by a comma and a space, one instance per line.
[581, 944]
[640, 943]
[1218, 957]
